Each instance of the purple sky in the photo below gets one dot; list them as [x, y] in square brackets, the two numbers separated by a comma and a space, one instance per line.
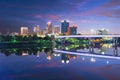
[86, 14]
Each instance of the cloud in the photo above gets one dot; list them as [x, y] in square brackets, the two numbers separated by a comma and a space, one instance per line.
[88, 21]
[113, 3]
[51, 17]
[106, 14]
[110, 9]
[47, 16]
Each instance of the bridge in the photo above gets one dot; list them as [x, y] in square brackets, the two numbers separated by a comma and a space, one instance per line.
[88, 54]
[75, 36]
[91, 47]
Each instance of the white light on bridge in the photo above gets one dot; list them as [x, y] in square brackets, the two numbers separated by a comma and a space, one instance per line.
[103, 53]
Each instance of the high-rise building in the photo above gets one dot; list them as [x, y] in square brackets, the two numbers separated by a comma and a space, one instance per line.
[24, 30]
[49, 27]
[102, 32]
[36, 29]
[56, 29]
[64, 26]
[73, 30]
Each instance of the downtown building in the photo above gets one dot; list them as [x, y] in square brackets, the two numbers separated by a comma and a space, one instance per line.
[64, 27]
[72, 30]
[36, 29]
[24, 31]
[49, 28]
[56, 30]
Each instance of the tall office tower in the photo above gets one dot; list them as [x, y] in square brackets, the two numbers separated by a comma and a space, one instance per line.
[49, 27]
[64, 26]
[56, 29]
[24, 30]
[73, 30]
[36, 29]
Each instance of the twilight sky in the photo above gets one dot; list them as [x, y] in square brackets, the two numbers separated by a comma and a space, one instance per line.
[86, 14]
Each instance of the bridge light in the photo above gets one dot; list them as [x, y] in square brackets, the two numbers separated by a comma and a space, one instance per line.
[103, 53]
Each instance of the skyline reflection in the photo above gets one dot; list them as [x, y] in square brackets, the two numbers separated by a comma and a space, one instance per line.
[49, 52]
[35, 63]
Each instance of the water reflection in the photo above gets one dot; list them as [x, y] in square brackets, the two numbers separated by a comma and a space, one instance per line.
[65, 58]
[27, 51]
[74, 58]
[96, 48]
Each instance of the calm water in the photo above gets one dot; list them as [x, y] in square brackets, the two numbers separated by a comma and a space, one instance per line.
[38, 63]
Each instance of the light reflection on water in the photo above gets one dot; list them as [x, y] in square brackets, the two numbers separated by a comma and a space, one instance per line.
[99, 48]
[39, 63]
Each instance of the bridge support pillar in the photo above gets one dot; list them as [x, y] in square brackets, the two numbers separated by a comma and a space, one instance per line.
[91, 46]
[62, 43]
[116, 46]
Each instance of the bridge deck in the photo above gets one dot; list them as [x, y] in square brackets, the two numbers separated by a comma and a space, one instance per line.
[87, 36]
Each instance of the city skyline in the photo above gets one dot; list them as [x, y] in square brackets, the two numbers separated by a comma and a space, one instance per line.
[86, 14]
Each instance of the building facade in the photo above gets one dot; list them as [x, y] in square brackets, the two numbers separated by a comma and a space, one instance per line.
[49, 27]
[73, 30]
[64, 26]
[36, 29]
[24, 30]
[56, 29]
